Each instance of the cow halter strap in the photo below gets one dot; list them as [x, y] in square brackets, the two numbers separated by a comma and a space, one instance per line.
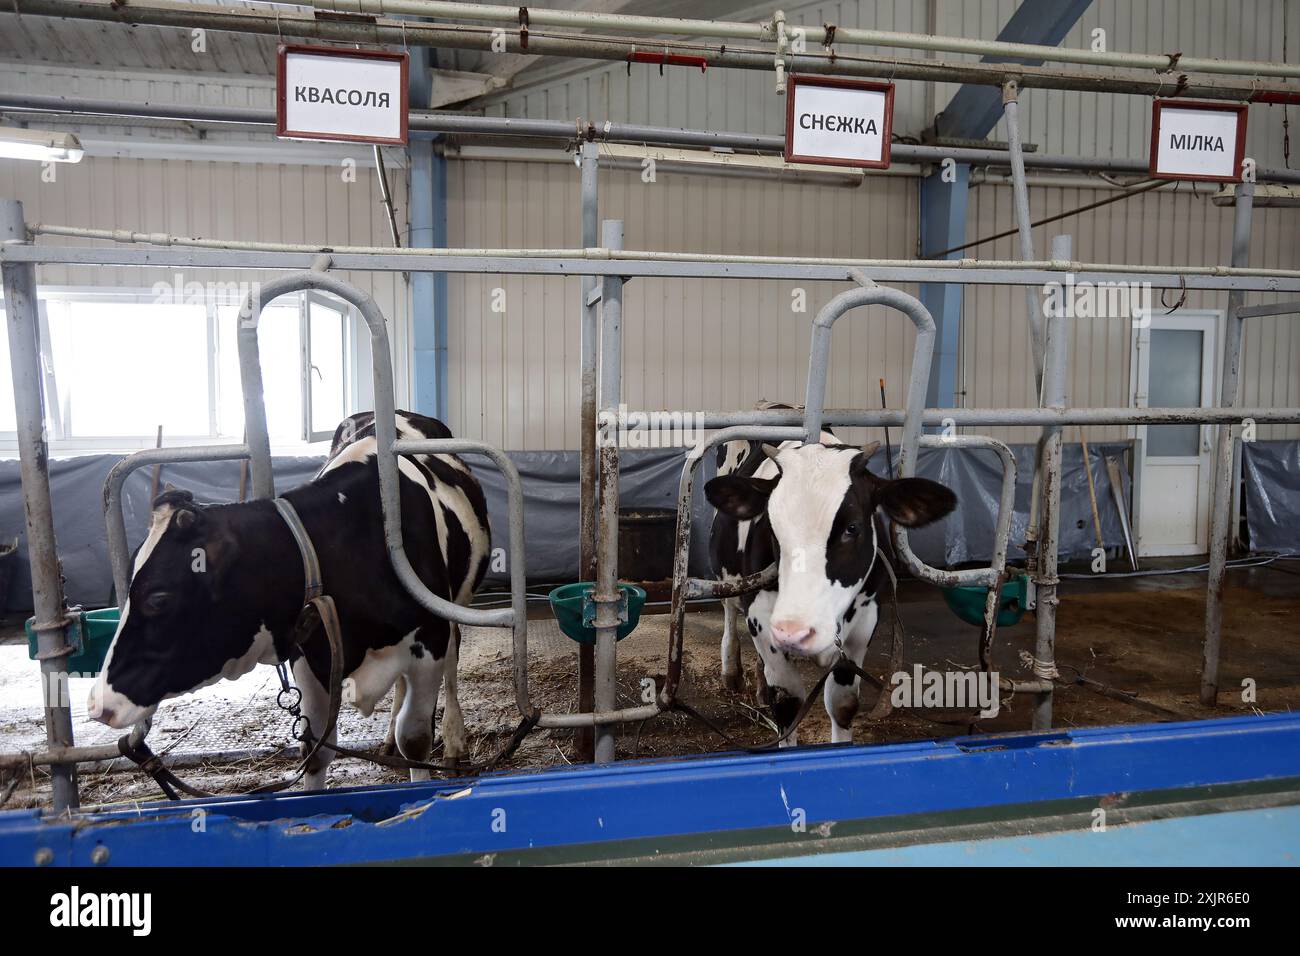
[312, 586]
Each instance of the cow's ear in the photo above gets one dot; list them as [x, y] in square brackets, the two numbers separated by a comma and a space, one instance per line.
[742, 498]
[914, 502]
[188, 522]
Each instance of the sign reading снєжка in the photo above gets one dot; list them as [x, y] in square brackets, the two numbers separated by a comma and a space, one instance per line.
[838, 122]
[1192, 140]
[327, 93]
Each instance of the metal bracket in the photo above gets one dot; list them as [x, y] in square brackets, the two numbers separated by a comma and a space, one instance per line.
[590, 606]
[74, 634]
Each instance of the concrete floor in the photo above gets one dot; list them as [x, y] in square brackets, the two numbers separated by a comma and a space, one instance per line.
[1138, 635]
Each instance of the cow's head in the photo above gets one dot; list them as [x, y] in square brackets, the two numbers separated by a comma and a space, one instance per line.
[819, 514]
[192, 616]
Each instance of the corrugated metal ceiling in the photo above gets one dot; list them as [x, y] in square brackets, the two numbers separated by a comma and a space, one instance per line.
[85, 43]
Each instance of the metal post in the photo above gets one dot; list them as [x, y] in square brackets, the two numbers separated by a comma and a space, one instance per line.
[1011, 108]
[608, 596]
[583, 740]
[1049, 484]
[1221, 516]
[52, 622]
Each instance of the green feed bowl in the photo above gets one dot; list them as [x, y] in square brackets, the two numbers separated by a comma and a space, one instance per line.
[568, 601]
[92, 633]
[968, 602]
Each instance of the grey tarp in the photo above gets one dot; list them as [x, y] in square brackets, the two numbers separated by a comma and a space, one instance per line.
[1271, 470]
[649, 479]
[77, 489]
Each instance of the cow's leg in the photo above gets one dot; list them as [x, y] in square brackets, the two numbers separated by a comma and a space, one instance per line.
[732, 676]
[389, 746]
[784, 691]
[415, 719]
[316, 708]
[841, 694]
[453, 722]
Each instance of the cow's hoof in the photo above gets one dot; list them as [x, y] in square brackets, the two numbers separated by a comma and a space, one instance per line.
[388, 748]
[734, 682]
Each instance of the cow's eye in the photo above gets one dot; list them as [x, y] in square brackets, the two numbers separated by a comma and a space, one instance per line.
[156, 604]
[850, 530]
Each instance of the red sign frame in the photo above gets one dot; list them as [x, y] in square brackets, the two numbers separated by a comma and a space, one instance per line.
[887, 131]
[281, 94]
[1240, 109]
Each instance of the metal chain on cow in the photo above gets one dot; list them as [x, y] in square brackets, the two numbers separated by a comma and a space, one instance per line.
[320, 613]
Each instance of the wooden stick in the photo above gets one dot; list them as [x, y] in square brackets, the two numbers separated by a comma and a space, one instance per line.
[889, 452]
[1092, 490]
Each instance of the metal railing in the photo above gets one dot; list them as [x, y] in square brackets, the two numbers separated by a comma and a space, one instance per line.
[604, 269]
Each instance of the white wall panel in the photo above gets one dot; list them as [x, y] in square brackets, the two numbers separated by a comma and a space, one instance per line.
[245, 201]
[688, 345]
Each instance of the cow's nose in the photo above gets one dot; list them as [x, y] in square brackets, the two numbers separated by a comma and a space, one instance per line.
[793, 633]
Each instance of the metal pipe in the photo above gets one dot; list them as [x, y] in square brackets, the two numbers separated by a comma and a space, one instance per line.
[1005, 417]
[686, 587]
[563, 132]
[516, 616]
[219, 254]
[608, 596]
[1137, 80]
[52, 624]
[119, 551]
[922, 355]
[1011, 109]
[259, 445]
[589, 164]
[1055, 370]
[766, 32]
[1001, 527]
[1221, 514]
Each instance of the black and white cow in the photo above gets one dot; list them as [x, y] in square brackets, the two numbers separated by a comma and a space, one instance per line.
[216, 589]
[812, 509]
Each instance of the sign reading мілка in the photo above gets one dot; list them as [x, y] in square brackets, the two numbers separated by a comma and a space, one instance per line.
[1196, 140]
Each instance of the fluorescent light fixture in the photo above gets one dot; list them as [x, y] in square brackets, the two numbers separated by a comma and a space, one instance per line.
[39, 144]
[1270, 194]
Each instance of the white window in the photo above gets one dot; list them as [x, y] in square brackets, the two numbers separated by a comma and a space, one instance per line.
[121, 364]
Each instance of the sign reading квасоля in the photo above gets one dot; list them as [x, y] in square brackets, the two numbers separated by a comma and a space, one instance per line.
[328, 93]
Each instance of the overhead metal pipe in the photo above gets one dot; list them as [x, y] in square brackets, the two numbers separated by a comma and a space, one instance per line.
[565, 131]
[1150, 75]
[766, 31]
[627, 263]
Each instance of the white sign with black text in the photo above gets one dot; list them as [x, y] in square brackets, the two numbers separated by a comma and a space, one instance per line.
[839, 122]
[326, 93]
[1193, 140]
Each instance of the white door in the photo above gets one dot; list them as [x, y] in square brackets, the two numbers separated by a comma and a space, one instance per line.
[1174, 364]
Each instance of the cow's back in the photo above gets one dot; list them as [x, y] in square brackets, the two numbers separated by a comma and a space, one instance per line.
[459, 508]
